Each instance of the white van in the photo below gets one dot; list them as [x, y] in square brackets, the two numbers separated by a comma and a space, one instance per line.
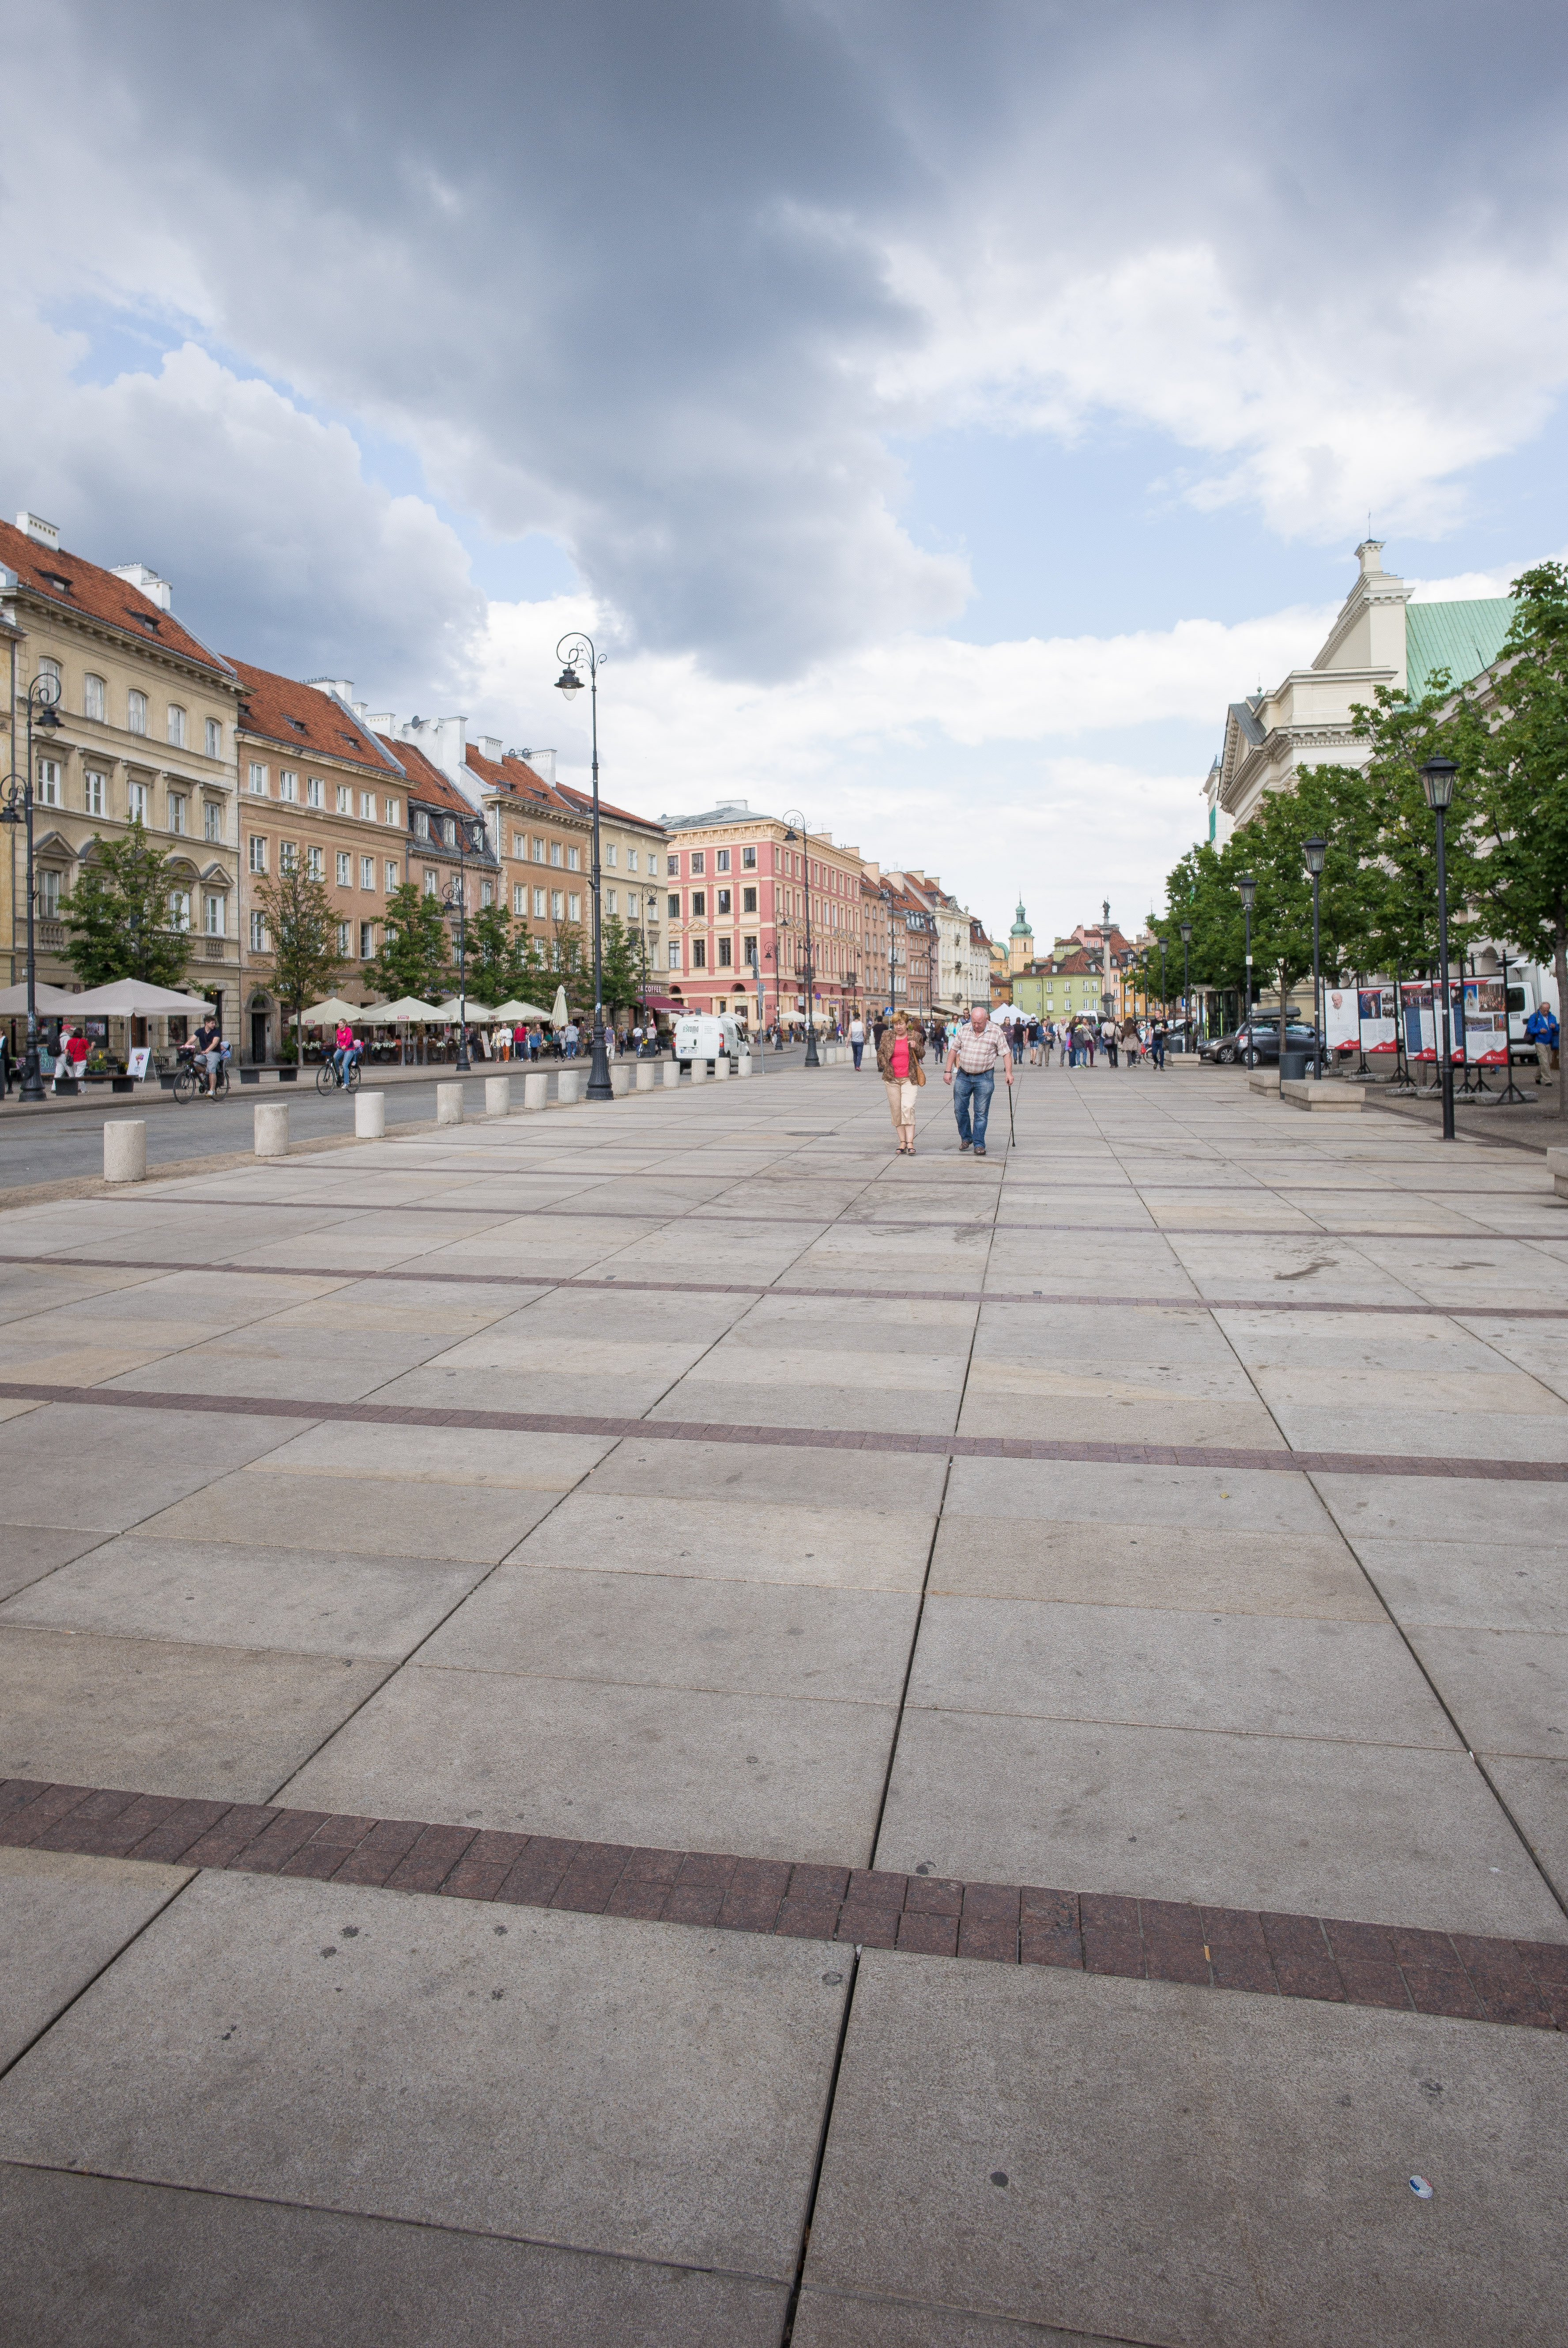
[704, 1036]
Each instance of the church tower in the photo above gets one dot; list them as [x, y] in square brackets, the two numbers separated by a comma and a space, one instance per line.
[1020, 942]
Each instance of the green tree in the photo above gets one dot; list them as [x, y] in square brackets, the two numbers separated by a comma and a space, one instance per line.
[1522, 784]
[1402, 873]
[620, 952]
[414, 947]
[118, 915]
[491, 954]
[302, 932]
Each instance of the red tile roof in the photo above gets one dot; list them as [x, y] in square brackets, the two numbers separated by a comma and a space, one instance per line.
[583, 802]
[303, 719]
[425, 778]
[515, 775]
[73, 584]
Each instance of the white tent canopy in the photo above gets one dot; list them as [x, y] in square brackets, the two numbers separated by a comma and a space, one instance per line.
[453, 1009]
[48, 1000]
[134, 998]
[393, 1015]
[520, 1011]
[319, 1014]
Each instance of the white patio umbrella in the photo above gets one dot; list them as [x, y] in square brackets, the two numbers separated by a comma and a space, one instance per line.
[393, 1015]
[328, 1014]
[560, 1015]
[520, 1011]
[48, 1000]
[454, 1009]
[134, 998]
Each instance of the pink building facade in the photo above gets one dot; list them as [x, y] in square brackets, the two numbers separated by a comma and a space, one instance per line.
[735, 889]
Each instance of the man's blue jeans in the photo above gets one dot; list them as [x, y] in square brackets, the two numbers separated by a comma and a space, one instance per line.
[978, 1090]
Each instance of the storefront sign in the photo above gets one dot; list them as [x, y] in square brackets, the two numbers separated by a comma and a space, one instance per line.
[136, 1062]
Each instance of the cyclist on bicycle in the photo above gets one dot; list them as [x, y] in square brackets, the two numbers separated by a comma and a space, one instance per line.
[207, 1045]
[346, 1047]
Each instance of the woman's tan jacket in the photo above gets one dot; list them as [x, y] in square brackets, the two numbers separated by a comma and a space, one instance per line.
[917, 1043]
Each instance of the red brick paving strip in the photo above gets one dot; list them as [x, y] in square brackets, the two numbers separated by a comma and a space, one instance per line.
[1278, 1461]
[1463, 1975]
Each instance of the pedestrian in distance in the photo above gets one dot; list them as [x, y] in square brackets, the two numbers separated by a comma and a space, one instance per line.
[900, 1056]
[971, 1071]
[858, 1037]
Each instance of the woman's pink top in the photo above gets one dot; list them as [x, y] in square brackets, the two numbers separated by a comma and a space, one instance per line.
[901, 1061]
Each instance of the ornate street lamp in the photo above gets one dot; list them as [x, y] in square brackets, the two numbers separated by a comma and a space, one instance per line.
[1438, 782]
[1315, 850]
[42, 698]
[575, 652]
[794, 816]
[1247, 889]
[1187, 987]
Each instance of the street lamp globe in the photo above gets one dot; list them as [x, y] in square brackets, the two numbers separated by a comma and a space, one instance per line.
[1315, 850]
[1186, 933]
[568, 683]
[1438, 782]
[1249, 888]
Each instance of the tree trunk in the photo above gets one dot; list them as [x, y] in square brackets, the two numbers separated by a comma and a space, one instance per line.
[1560, 960]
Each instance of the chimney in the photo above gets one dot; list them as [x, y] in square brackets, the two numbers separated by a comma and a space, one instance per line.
[42, 533]
[341, 686]
[147, 582]
[384, 721]
[543, 763]
[489, 747]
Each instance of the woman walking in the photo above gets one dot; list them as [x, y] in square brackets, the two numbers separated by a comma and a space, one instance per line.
[898, 1057]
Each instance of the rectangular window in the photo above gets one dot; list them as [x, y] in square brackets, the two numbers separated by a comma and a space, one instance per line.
[722, 860]
[749, 859]
[672, 866]
[288, 856]
[574, 908]
[421, 824]
[257, 933]
[748, 900]
[135, 802]
[175, 727]
[48, 782]
[394, 811]
[539, 904]
[257, 778]
[487, 893]
[519, 901]
[136, 712]
[93, 789]
[257, 853]
[343, 798]
[725, 957]
[749, 948]
[288, 784]
[539, 851]
[557, 905]
[179, 909]
[367, 872]
[631, 859]
[724, 900]
[698, 904]
[699, 954]
[674, 950]
[520, 846]
[343, 867]
[315, 791]
[367, 941]
[573, 860]
[610, 854]
[631, 906]
[697, 860]
[432, 881]
[93, 697]
[393, 873]
[213, 909]
[555, 853]
[342, 937]
[214, 738]
[609, 900]
[177, 811]
[674, 904]
[213, 820]
[315, 864]
[49, 894]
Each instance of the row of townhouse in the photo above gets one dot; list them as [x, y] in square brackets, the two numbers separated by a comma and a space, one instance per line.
[237, 774]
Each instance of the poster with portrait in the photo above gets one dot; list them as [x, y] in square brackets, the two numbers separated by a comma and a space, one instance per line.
[1485, 1023]
[1380, 1032]
[1417, 1018]
[1341, 1018]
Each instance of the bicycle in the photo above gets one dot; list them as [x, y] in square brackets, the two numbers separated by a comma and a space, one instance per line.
[191, 1081]
[328, 1080]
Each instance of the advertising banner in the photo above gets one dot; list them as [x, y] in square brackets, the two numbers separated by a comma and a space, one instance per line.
[1375, 1009]
[1341, 1018]
[1421, 1004]
[1485, 1023]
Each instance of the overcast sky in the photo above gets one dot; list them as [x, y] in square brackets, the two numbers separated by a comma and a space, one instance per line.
[938, 413]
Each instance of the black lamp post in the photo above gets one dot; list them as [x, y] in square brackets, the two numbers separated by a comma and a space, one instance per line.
[1247, 887]
[573, 651]
[17, 806]
[794, 816]
[1315, 850]
[455, 900]
[1186, 986]
[1438, 782]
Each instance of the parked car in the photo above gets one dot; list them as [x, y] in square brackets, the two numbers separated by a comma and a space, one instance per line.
[1261, 1037]
[702, 1035]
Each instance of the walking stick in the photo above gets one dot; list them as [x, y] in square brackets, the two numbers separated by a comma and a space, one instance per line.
[1012, 1130]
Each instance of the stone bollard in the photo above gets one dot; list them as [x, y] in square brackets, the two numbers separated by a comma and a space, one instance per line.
[671, 1075]
[498, 1097]
[272, 1128]
[125, 1149]
[647, 1076]
[744, 1065]
[569, 1086]
[449, 1104]
[722, 1065]
[619, 1078]
[699, 1071]
[369, 1116]
[535, 1090]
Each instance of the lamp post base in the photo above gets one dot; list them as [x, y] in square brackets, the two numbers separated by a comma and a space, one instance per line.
[811, 1059]
[32, 1088]
[599, 1088]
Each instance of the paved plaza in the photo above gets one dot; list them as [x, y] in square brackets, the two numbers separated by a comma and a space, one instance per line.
[652, 1724]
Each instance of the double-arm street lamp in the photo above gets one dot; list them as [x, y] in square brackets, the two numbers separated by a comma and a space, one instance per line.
[1315, 850]
[1438, 782]
[575, 652]
[793, 816]
[17, 806]
[1247, 887]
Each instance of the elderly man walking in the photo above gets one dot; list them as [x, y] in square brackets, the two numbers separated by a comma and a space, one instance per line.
[971, 1072]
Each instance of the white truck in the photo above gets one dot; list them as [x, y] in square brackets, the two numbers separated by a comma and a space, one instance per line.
[707, 1035]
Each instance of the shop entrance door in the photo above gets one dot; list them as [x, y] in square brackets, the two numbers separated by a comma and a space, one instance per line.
[258, 1035]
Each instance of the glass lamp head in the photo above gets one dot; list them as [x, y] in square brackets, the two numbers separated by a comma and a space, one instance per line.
[1438, 782]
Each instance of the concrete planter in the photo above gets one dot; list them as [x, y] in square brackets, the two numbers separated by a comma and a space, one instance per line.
[1302, 1093]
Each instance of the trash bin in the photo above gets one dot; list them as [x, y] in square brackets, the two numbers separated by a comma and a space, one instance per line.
[1293, 1066]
